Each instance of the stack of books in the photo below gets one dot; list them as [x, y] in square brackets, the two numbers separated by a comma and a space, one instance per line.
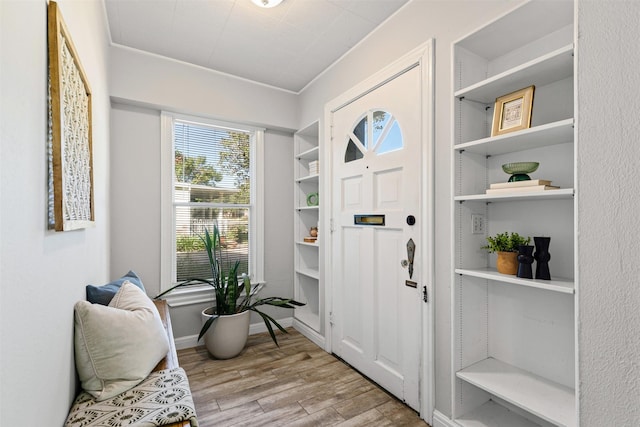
[313, 168]
[528, 186]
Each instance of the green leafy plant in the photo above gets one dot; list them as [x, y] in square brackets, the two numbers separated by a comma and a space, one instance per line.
[506, 242]
[189, 244]
[232, 295]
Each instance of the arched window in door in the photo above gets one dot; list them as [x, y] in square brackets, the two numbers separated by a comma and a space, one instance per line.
[377, 132]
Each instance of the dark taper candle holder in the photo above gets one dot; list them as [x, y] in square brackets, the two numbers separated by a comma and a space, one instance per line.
[525, 259]
[542, 257]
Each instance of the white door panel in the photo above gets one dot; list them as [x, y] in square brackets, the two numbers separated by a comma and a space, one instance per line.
[376, 171]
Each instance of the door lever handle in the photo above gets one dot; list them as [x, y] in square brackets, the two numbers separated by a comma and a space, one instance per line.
[411, 250]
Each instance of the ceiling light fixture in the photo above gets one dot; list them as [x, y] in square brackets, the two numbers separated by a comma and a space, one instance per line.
[267, 3]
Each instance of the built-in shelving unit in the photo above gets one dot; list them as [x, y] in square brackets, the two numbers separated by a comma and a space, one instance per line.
[514, 339]
[308, 284]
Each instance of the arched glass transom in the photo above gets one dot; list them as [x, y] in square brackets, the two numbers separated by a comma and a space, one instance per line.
[377, 132]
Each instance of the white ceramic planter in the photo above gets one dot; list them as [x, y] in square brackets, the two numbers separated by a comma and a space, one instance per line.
[228, 335]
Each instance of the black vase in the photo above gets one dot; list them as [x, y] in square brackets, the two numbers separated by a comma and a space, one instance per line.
[542, 257]
[525, 259]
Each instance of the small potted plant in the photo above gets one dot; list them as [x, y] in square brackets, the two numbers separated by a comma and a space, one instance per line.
[226, 324]
[506, 246]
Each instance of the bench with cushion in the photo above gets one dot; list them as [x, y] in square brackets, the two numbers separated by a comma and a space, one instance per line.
[161, 398]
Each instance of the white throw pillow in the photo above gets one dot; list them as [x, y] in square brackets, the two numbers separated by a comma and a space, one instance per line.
[118, 345]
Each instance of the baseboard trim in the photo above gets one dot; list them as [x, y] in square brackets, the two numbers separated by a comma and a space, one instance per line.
[191, 341]
[310, 333]
[441, 420]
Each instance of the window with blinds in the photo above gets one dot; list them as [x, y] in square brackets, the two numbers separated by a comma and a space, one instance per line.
[211, 186]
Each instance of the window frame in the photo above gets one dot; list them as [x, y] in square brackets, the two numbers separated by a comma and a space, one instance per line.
[204, 293]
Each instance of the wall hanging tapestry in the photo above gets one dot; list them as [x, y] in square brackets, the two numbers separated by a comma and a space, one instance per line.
[71, 201]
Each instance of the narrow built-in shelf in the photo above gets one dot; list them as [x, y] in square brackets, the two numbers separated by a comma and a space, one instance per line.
[546, 399]
[492, 414]
[538, 136]
[540, 71]
[310, 154]
[308, 178]
[562, 193]
[308, 317]
[315, 245]
[565, 286]
[314, 274]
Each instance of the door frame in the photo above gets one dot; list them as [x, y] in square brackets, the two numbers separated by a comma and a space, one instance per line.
[423, 57]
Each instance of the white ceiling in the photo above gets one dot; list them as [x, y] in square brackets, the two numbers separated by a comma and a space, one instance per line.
[286, 46]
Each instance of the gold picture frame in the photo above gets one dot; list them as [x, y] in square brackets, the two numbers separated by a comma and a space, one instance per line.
[512, 112]
[71, 198]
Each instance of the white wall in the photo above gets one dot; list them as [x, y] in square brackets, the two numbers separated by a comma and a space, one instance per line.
[141, 86]
[179, 87]
[44, 273]
[135, 209]
[418, 21]
[609, 202]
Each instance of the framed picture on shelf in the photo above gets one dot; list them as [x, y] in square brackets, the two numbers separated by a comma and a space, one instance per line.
[512, 112]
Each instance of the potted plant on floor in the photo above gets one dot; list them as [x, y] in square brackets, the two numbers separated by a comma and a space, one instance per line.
[506, 246]
[226, 327]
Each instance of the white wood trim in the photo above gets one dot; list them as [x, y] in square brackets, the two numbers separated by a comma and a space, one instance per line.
[167, 232]
[441, 420]
[576, 214]
[197, 295]
[257, 183]
[427, 368]
[310, 333]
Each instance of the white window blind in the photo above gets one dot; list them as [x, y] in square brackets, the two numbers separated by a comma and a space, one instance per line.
[211, 185]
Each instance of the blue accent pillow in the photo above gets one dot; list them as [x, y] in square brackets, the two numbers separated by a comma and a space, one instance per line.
[105, 293]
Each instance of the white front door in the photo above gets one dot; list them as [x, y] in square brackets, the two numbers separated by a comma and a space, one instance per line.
[376, 211]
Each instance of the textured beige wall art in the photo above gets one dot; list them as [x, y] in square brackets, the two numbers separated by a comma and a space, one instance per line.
[71, 200]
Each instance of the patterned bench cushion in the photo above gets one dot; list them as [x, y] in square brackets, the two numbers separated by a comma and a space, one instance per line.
[162, 398]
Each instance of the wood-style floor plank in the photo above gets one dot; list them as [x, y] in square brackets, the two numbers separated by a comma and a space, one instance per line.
[297, 384]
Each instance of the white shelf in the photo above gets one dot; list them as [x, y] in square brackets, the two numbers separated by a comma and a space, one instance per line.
[308, 317]
[311, 154]
[307, 281]
[539, 136]
[550, 401]
[489, 41]
[314, 274]
[492, 414]
[541, 71]
[565, 286]
[308, 178]
[314, 245]
[562, 193]
[488, 322]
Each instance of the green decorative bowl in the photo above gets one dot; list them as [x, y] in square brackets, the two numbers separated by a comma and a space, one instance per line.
[519, 170]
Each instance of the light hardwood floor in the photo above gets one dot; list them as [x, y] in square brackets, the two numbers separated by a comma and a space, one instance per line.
[297, 384]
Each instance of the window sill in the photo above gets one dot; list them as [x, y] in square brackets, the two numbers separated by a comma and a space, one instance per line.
[197, 295]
